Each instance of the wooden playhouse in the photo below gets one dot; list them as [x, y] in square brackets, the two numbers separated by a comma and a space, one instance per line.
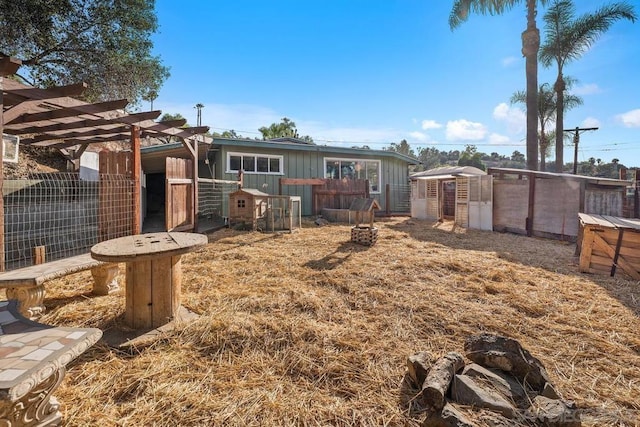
[247, 205]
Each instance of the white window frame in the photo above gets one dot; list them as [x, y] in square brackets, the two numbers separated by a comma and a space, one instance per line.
[365, 161]
[255, 156]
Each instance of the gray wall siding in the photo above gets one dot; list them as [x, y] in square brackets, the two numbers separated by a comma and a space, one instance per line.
[310, 164]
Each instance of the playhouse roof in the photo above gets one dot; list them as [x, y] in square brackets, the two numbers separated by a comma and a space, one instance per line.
[251, 191]
[364, 205]
[448, 172]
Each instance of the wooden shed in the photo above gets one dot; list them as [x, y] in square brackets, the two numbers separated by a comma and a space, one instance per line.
[461, 193]
[247, 205]
[547, 204]
[608, 244]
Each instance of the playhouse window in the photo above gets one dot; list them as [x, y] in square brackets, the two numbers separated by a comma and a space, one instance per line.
[354, 169]
[254, 163]
[241, 203]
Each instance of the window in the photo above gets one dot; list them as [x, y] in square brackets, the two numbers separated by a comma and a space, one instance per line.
[241, 203]
[254, 163]
[354, 169]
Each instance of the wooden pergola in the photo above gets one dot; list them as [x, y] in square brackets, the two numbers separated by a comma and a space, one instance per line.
[53, 118]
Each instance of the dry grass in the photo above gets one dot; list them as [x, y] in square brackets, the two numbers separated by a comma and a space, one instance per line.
[309, 329]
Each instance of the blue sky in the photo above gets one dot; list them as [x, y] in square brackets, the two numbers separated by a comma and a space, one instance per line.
[373, 72]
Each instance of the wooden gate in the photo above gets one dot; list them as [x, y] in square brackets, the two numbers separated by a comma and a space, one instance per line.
[179, 206]
[116, 208]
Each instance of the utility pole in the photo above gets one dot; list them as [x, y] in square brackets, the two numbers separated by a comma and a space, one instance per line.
[199, 107]
[576, 141]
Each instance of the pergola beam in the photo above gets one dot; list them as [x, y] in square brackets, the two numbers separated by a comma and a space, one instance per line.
[87, 123]
[71, 142]
[9, 65]
[69, 135]
[23, 100]
[63, 112]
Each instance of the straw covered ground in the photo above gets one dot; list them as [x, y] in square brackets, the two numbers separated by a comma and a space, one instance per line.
[308, 329]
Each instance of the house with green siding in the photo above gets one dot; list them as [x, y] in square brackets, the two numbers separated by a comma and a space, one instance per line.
[264, 163]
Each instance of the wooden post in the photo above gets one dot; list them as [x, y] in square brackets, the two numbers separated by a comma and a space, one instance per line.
[135, 176]
[8, 66]
[387, 197]
[1, 175]
[636, 198]
[195, 184]
[532, 200]
[39, 255]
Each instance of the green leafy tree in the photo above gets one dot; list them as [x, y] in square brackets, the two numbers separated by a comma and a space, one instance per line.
[231, 134]
[403, 147]
[168, 117]
[567, 38]
[547, 113]
[471, 157]
[105, 43]
[517, 156]
[285, 129]
[530, 47]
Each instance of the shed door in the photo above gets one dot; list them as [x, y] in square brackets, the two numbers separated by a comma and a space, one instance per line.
[433, 199]
[462, 201]
[179, 209]
[481, 202]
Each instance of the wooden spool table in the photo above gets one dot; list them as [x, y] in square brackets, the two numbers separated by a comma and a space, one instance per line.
[153, 273]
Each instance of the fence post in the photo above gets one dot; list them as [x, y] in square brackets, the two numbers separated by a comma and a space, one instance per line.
[1, 175]
[135, 176]
[387, 197]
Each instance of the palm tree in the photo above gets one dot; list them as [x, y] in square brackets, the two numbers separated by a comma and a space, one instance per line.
[530, 46]
[568, 38]
[546, 113]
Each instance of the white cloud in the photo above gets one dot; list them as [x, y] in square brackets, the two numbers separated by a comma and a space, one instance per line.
[509, 60]
[590, 122]
[464, 130]
[515, 118]
[430, 124]
[586, 89]
[630, 119]
[497, 139]
[418, 135]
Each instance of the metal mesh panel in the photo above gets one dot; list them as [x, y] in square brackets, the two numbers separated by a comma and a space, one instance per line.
[400, 195]
[213, 198]
[64, 214]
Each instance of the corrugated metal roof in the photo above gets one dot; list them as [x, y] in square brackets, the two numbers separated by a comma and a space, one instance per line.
[567, 176]
[449, 172]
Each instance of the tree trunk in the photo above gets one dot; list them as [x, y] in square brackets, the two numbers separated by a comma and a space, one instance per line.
[530, 46]
[559, 88]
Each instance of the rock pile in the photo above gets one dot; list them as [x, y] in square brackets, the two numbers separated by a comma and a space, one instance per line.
[503, 385]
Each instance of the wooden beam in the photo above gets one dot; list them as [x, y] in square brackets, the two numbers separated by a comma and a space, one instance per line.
[192, 131]
[173, 123]
[69, 135]
[135, 176]
[63, 112]
[32, 97]
[9, 66]
[3, 65]
[87, 123]
[302, 181]
[76, 141]
[188, 146]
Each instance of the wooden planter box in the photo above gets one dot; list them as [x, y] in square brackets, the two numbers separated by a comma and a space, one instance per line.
[364, 235]
[609, 244]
